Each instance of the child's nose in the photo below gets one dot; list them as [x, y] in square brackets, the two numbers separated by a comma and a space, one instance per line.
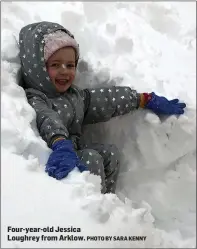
[63, 69]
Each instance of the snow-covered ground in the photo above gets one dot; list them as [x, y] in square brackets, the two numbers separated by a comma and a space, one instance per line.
[148, 46]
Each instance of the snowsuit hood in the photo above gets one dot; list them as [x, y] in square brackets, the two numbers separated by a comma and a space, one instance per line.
[33, 68]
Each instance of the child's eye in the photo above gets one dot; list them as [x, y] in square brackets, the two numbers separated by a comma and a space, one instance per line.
[70, 65]
[55, 65]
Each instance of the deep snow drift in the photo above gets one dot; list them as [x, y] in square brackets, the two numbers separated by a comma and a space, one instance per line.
[148, 46]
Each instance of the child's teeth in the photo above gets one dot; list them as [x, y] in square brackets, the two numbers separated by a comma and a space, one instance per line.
[62, 81]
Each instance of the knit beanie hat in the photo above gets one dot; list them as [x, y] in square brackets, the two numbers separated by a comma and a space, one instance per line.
[56, 40]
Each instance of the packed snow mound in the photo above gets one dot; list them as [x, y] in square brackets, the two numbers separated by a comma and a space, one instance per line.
[147, 46]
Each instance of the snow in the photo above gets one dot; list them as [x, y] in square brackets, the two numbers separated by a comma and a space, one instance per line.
[147, 46]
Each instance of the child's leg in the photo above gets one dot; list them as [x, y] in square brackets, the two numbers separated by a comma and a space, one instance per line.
[109, 155]
[94, 161]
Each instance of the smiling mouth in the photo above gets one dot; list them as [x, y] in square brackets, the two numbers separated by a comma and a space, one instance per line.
[61, 82]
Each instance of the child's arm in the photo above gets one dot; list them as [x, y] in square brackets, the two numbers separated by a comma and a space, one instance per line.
[49, 124]
[101, 104]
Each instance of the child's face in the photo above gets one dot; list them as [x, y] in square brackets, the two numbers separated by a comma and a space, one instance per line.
[61, 68]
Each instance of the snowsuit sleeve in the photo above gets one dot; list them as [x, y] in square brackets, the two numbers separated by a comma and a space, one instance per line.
[48, 121]
[101, 104]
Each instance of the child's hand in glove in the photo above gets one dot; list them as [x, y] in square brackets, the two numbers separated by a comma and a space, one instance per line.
[63, 160]
[160, 105]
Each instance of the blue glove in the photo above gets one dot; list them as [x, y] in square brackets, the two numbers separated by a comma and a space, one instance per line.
[63, 160]
[160, 105]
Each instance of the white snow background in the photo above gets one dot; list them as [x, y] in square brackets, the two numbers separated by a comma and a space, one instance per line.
[148, 46]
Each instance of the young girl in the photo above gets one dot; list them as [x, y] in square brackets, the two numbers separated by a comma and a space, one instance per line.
[49, 56]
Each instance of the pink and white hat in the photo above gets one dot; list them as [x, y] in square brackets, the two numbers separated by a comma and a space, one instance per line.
[56, 40]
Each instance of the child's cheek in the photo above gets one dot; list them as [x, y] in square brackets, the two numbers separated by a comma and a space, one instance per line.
[52, 73]
[72, 76]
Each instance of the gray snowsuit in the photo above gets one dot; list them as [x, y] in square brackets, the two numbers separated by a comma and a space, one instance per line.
[64, 114]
